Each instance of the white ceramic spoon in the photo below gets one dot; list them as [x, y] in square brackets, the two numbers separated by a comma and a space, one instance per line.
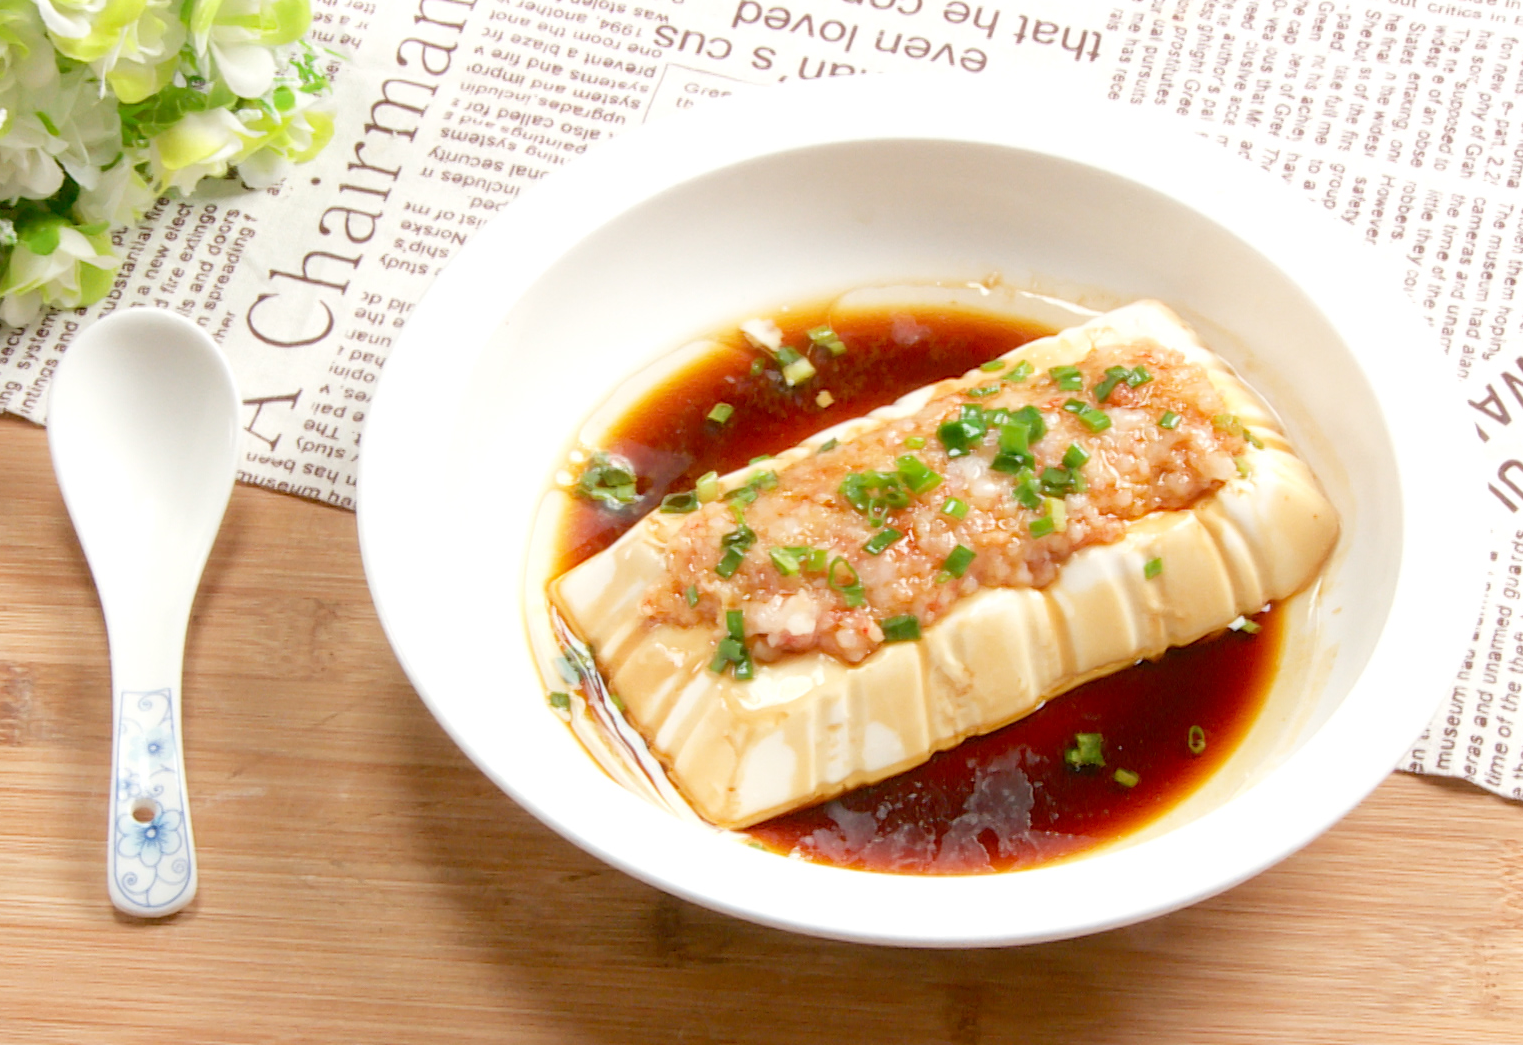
[143, 427]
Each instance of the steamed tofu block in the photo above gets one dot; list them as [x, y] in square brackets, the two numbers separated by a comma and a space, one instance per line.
[944, 565]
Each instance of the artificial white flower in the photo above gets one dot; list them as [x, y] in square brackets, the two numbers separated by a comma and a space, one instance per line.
[200, 145]
[26, 55]
[77, 270]
[292, 130]
[241, 39]
[133, 45]
[49, 131]
[119, 196]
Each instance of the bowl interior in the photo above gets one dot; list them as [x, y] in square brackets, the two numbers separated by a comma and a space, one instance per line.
[550, 308]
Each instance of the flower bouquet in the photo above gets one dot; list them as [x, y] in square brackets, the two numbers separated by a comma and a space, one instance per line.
[107, 104]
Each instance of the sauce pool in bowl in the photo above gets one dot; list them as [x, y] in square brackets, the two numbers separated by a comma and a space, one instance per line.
[1002, 801]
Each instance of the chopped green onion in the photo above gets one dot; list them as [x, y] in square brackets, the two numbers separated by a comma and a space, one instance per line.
[1075, 457]
[916, 474]
[955, 508]
[1197, 740]
[1020, 372]
[1057, 511]
[1138, 376]
[1094, 420]
[745, 668]
[1242, 466]
[915, 442]
[828, 339]
[1245, 625]
[829, 444]
[786, 561]
[679, 503]
[1169, 420]
[1230, 424]
[1028, 492]
[1075, 406]
[608, 479]
[799, 371]
[730, 562]
[851, 589]
[1015, 437]
[560, 700]
[1152, 568]
[960, 435]
[721, 413]
[980, 391]
[903, 628]
[879, 542]
[1113, 376]
[1013, 463]
[692, 594]
[1126, 778]
[1056, 480]
[875, 494]
[787, 356]
[758, 459]
[1042, 526]
[958, 562]
[707, 487]
[1067, 378]
[735, 624]
[1087, 750]
[992, 365]
[1031, 417]
[758, 365]
[811, 559]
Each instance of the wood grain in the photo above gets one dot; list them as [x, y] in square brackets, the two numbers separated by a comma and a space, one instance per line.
[362, 882]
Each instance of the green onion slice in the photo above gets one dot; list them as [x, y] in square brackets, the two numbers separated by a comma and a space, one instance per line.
[786, 561]
[992, 365]
[1197, 740]
[1113, 376]
[735, 624]
[849, 587]
[1020, 372]
[560, 700]
[1042, 526]
[959, 560]
[1169, 420]
[955, 508]
[1067, 378]
[879, 542]
[1088, 750]
[1152, 568]
[916, 474]
[721, 413]
[608, 479]
[1126, 778]
[1093, 419]
[915, 442]
[980, 391]
[679, 503]
[692, 594]
[1075, 457]
[903, 628]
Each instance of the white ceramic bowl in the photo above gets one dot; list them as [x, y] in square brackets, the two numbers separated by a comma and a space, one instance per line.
[789, 194]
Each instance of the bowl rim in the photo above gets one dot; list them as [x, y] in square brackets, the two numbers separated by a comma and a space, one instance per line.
[1293, 803]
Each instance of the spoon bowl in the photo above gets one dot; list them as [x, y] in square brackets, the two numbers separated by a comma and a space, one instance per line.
[143, 427]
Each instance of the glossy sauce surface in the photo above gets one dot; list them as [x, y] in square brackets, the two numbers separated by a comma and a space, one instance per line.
[998, 802]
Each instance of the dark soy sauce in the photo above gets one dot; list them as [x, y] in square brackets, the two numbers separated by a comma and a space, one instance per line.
[1004, 800]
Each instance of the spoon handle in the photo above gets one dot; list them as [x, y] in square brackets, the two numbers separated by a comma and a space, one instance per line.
[151, 862]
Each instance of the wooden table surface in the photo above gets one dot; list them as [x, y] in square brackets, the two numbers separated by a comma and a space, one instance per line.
[362, 882]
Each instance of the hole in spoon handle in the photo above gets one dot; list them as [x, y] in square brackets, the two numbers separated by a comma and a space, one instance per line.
[151, 866]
